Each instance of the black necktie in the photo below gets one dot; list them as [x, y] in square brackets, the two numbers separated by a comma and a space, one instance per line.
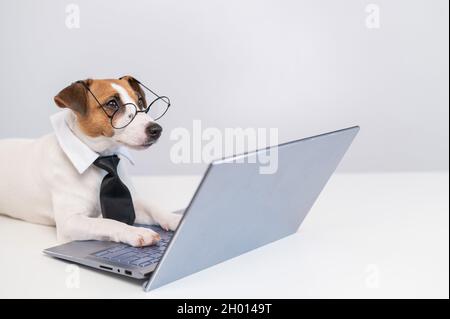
[115, 198]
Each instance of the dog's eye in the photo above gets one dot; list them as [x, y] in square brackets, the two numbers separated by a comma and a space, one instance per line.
[112, 104]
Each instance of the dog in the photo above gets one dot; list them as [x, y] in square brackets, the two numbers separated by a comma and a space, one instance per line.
[47, 181]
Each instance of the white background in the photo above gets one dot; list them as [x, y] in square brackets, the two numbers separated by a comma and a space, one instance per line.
[303, 67]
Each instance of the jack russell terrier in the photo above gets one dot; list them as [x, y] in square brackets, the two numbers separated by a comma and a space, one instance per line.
[52, 180]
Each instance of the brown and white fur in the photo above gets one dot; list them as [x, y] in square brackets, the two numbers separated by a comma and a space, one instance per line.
[39, 184]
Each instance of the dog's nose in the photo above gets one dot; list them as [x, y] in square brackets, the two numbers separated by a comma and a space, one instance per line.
[154, 130]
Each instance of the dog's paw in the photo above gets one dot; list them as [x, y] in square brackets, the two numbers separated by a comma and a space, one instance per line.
[139, 237]
[169, 221]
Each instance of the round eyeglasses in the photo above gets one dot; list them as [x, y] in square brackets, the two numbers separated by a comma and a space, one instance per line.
[122, 114]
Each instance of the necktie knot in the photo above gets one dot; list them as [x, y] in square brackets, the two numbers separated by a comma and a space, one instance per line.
[108, 163]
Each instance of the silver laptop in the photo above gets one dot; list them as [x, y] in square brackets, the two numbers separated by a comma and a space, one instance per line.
[234, 210]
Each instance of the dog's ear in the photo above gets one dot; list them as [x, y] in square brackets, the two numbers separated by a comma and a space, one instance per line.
[74, 97]
[134, 84]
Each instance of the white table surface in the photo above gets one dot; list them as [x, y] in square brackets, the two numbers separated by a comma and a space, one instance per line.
[368, 236]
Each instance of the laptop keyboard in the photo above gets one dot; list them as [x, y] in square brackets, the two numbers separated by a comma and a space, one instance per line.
[137, 256]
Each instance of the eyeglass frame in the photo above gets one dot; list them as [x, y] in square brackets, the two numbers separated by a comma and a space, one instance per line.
[164, 98]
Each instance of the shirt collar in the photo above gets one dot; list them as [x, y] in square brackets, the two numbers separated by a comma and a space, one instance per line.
[76, 150]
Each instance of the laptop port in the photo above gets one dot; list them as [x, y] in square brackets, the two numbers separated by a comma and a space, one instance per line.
[127, 272]
[106, 267]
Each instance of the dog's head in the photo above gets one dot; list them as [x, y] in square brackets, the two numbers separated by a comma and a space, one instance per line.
[102, 112]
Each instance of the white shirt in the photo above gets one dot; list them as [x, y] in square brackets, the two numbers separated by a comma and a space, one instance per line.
[76, 150]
